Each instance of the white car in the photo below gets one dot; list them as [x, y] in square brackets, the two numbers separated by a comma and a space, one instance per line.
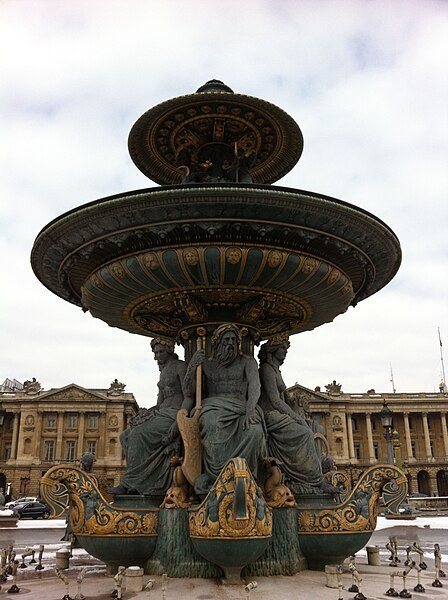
[20, 501]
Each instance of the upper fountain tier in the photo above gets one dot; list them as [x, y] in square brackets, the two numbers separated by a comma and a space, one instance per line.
[215, 135]
[215, 243]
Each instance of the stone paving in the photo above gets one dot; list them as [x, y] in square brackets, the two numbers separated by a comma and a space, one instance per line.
[308, 585]
[304, 586]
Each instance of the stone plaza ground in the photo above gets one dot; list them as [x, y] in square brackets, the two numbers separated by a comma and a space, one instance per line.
[43, 585]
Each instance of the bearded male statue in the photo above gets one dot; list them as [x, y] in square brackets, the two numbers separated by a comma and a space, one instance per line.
[231, 421]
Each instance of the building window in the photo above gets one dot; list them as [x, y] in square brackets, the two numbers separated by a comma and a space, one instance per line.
[70, 450]
[414, 455]
[51, 420]
[91, 446]
[375, 450]
[431, 445]
[27, 446]
[373, 421]
[354, 424]
[24, 485]
[72, 420]
[357, 447]
[410, 423]
[92, 421]
[10, 423]
[49, 450]
[7, 451]
[112, 446]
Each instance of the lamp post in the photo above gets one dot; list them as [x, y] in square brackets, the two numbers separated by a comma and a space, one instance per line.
[386, 422]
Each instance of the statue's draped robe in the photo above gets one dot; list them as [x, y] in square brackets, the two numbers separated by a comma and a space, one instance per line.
[222, 419]
[223, 437]
[288, 441]
[148, 461]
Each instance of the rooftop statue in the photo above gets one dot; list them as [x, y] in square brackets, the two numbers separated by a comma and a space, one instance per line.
[231, 421]
[290, 438]
[153, 438]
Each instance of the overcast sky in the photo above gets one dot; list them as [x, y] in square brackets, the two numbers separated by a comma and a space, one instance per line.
[365, 80]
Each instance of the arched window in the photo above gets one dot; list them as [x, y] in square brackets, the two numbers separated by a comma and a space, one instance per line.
[442, 483]
[423, 483]
[27, 446]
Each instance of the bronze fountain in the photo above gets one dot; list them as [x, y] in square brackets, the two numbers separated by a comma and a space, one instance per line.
[217, 245]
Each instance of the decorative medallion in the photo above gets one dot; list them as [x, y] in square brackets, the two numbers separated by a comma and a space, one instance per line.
[113, 421]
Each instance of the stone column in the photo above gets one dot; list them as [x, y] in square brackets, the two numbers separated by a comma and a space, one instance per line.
[426, 434]
[407, 436]
[444, 433]
[59, 434]
[433, 484]
[15, 436]
[370, 449]
[102, 437]
[38, 434]
[351, 446]
[81, 431]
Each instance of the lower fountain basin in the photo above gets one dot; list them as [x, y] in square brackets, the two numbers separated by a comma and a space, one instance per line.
[119, 551]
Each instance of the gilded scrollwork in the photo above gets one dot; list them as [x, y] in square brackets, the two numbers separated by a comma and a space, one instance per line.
[90, 513]
[360, 510]
[234, 508]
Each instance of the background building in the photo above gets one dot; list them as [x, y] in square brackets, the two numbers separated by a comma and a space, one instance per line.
[357, 440]
[39, 429]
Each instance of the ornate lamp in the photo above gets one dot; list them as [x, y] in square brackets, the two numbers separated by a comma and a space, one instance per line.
[386, 421]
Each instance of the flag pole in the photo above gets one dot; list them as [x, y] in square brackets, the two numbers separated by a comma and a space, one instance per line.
[441, 360]
[392, 379]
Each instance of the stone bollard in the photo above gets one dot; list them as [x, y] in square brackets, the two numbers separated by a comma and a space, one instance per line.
[331, 572]
[134, 579]
[373, 556]
[62, 558]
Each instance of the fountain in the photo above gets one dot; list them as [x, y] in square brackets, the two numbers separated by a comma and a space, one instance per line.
[217, 250]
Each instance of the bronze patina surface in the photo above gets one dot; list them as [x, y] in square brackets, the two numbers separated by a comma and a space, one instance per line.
[209, 125]
[218, 260]
[155, 261]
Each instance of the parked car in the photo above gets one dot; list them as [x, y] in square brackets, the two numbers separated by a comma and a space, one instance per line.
[407, 509]
[21, 501]
[32, 510]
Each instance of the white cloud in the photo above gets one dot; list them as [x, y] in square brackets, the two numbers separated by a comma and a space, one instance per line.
[366, 82]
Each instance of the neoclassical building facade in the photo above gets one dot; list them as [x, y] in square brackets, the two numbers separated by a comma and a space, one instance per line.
[357, 440]
[40, 428]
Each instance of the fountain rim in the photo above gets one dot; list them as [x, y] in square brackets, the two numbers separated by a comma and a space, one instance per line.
[198, 186]
[370, 249]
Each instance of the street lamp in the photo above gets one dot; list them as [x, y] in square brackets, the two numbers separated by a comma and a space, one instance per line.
[386, 422]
